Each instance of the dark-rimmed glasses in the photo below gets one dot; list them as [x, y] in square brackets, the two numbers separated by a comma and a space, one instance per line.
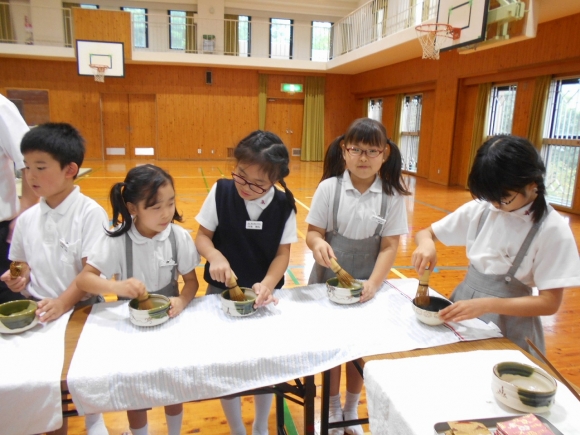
[371, 153]
[243, 182]
[510, 201]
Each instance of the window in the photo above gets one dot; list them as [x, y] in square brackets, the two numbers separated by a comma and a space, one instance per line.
[88, 6]
[177, 29]
[501, 109]
[139, 19]
[561, 142]
[280, 38]
[245, 33]
[410, 131]
[320, 41]
[375, 110]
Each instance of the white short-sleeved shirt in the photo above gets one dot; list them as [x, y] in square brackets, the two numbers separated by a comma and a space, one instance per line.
[54, 241]
[12, 128]
[208, 217]
[357, 212]
[551, 262]
[152, 257]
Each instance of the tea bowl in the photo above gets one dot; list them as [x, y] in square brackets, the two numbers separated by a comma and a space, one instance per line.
[429, 315]
[523, 387]
[152, 317]
[239, 308]
[17, 315]
[343, 295]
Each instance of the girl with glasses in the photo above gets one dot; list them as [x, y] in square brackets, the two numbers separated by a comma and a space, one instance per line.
[357, 216]
[514, 241]
[246, 227]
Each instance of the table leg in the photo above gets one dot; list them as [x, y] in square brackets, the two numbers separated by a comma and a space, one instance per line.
[309, 398]
[325, 403]
[280, 426]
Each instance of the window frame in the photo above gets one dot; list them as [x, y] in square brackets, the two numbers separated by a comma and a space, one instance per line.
[132, 10]
[290, 42]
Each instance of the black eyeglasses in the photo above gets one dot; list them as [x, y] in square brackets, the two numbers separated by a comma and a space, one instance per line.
[510, 201]
[242, 181]
[370, 153]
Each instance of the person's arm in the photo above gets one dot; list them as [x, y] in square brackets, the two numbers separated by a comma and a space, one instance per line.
[545, 304]
[188, 292]
[90, 281]
[274, 274]
[321, 250]
[383, 264]
[425, 255]
[219, 268]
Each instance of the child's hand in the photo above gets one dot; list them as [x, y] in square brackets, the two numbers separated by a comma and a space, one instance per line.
[368, 292]
[129, 288]
[16, 284]
[425, 256]
[322, 252]
[220, 270]
[465, 310]
[264, 295]
[176, 307]
[50, 309]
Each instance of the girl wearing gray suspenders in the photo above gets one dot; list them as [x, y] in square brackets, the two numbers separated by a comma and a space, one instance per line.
[146, 251]
[514, 240]
[357, 215]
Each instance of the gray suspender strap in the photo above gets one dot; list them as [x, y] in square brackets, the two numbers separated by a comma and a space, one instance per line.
[337, 193]
[482, 220]
[129, 254]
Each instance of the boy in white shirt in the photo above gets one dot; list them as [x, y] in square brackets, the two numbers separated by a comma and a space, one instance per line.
[53, 238]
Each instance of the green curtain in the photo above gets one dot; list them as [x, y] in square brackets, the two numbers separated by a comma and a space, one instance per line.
[262, 96]
[313, 124]
[6, 31]
[190, 34]
[365, 107]
[67, 20]
[479, 121]
[396, 133]
[231, 37]
[539, 103]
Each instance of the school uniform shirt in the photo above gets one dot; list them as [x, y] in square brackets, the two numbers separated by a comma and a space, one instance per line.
[357, 212]
[54, 241]
[152, 257]
[208, 216]
[12, 129]
[551, 262]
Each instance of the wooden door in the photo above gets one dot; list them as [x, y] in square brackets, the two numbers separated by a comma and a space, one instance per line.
[285, 117]
[142, 125]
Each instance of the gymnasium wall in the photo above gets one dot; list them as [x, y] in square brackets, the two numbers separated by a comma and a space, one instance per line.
[450, 85]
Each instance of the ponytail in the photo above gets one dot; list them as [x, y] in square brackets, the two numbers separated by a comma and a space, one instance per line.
[119, 208]
[289, 195]
[391, 173]
[333, 161]
[539, 207]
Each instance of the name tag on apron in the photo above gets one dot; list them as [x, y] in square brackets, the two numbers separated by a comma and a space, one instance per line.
[378, 219]
[253, 225]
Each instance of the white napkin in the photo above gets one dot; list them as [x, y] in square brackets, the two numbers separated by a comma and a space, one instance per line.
[204, 353]
[30, 372]
[410, 395]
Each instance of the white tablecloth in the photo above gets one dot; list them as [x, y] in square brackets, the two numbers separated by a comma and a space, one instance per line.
[410, 395]
[204, 353]
[30, 371]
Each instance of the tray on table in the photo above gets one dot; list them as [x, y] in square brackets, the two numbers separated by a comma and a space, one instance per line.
[491, 424]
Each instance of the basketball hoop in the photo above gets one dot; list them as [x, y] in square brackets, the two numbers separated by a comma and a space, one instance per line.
[435, 36]
[99, 71]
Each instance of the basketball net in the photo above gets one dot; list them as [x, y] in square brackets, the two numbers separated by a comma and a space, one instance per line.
[433, 37]
[99, 72]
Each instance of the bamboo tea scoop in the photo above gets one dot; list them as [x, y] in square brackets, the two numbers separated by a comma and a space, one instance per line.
[422, 298]
[236, 293]
[145, 302]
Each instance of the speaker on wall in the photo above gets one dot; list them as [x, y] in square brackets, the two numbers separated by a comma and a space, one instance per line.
[208, 78]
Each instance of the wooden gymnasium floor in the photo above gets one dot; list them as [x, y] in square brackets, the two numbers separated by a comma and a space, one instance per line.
[428, 203]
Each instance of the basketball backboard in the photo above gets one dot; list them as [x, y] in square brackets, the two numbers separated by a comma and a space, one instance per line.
[468, 15]
[109, 54]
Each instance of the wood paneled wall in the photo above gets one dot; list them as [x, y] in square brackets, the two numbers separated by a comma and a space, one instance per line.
[103, 25]
[453, 81]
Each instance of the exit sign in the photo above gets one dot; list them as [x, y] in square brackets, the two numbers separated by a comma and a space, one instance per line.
[291, 87]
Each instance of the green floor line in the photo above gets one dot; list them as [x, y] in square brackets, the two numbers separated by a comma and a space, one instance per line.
[432, 206]
[288, 421]
[293, 277]
[221, 172]
[204, 179]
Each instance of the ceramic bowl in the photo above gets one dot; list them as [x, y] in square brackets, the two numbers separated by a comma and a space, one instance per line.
[523, 387]
[429, 315]
[155, 316]
[16, 315]
[239, 309]
[342, 295]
